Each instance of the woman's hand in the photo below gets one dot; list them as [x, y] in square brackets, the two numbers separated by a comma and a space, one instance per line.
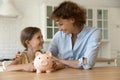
[59, 65]
[69, 63]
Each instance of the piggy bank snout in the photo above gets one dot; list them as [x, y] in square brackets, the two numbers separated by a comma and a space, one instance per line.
[44, 62]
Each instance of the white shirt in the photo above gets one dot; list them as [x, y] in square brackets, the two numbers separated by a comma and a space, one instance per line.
[86, 45]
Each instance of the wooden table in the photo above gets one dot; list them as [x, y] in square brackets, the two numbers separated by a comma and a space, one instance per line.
[98, 73]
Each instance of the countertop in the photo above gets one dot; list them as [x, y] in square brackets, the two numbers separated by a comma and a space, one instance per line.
[97, 73]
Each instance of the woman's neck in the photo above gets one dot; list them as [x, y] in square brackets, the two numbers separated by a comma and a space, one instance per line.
[74, 34]
[77, 30]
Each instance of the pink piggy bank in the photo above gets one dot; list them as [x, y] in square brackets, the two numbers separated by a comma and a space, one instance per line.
[43, 62]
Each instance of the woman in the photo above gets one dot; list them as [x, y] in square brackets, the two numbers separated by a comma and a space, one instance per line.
[75, 45]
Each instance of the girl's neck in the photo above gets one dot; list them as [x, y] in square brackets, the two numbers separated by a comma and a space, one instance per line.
[31, 53]
[31, 50]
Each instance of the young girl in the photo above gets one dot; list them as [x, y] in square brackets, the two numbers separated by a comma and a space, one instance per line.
[32, 40]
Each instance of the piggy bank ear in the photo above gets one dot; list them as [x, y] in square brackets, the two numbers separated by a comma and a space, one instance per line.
[49, 54]
[37, 53]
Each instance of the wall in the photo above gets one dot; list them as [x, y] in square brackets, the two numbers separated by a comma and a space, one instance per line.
[115, 31]
[30, 10]
[10, 28]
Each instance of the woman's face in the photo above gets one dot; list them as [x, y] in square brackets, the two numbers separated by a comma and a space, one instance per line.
[37, 41]
[66, 25]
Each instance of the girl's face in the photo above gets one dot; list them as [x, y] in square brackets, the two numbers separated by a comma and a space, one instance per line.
[66, 25]
[36, 42]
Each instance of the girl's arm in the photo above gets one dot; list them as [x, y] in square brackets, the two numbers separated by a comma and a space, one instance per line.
[16, 65]
[20, 67]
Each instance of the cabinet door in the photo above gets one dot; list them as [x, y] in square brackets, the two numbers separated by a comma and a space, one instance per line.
[102, 22]
[98, 18]
[89, 21]
[51, 25]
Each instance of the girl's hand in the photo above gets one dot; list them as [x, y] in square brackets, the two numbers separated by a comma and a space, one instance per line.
[29, 67]
[17, 55]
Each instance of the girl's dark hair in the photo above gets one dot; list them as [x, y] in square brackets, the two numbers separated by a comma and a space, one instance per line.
[67, 10]
[27, 34]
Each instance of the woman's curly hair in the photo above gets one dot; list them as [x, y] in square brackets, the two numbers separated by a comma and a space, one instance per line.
[68, 10]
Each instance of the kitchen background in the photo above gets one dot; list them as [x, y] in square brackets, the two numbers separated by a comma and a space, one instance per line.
[104, 14]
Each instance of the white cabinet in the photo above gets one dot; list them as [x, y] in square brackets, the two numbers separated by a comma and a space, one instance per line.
[99, 17]
[51, 25]
[96, 17]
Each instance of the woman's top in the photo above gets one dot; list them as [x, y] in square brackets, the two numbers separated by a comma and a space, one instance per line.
[86, 46]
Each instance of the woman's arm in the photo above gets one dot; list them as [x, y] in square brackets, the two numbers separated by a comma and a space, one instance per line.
[72, 63]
